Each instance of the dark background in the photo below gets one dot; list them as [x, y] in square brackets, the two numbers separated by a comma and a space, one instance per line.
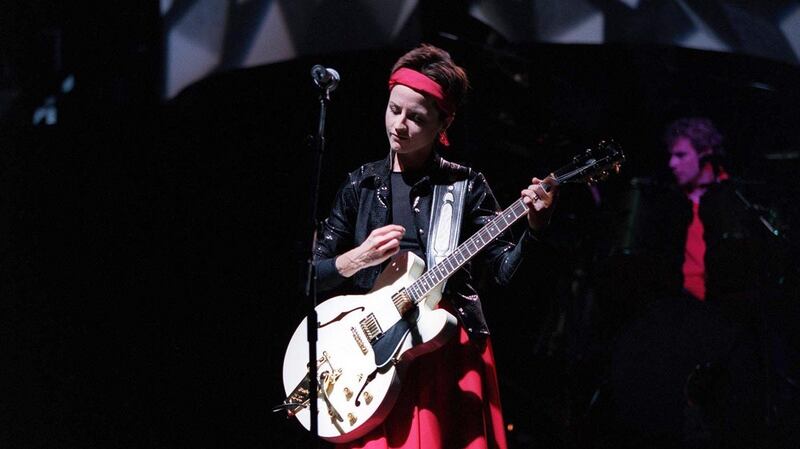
[151, 252]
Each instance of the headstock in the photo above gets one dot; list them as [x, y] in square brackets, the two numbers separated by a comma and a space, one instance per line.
[593, 165]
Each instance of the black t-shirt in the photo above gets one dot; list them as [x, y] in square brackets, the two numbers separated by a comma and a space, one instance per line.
[402, 215]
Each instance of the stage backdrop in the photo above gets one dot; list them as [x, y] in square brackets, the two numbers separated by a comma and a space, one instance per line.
[205, 36]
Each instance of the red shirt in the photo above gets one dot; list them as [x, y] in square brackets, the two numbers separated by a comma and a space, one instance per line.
[694, 268]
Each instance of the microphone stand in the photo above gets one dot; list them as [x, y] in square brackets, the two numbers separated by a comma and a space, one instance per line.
[311, 273]
[764, 214]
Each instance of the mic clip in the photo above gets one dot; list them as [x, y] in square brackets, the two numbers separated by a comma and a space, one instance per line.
[326, 79]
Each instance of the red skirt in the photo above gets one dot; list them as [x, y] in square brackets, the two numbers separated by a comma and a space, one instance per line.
[449, 400]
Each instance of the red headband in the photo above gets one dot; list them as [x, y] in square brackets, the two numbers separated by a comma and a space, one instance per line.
[421, 83]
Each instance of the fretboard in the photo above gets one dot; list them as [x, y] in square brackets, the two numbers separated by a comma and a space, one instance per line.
[496, 226]
[466, 251]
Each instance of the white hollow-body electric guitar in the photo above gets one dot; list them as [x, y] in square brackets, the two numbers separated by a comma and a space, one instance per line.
[365, 341]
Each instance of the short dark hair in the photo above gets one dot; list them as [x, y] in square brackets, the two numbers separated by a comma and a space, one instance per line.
[700, 131]
[437, 64]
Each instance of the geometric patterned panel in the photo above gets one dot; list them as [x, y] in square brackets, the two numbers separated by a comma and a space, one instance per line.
[766, 28]
[204, 36]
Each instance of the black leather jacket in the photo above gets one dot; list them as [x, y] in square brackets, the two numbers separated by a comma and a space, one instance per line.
[363, 204]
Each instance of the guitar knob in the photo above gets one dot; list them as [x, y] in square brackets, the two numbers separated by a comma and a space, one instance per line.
[351, 418]
[347, 393]
[367, 397]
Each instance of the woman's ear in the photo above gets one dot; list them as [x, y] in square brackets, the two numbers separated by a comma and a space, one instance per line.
[447, 122]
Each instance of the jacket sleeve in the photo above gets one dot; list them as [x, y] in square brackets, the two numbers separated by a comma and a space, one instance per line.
[502, 257]
[336, 237]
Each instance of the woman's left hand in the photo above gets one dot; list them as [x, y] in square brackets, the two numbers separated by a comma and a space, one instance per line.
[540, 202]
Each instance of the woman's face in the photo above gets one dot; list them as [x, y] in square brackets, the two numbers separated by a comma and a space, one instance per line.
[412, 122]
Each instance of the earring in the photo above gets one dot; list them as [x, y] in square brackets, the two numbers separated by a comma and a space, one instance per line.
[443, 138]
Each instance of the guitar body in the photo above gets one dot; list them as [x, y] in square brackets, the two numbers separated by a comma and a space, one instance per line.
[363, 346]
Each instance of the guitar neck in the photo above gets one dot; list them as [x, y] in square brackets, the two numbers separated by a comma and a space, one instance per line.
[466, 251]
[586, 167]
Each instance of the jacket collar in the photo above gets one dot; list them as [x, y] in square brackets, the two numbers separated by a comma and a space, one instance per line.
[379, 172]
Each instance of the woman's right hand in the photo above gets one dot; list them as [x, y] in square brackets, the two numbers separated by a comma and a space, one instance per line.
[381, 244]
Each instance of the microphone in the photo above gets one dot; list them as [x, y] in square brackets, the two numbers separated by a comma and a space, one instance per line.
[325, 77]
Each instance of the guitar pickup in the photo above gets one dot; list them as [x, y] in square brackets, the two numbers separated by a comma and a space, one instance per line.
[372, 329]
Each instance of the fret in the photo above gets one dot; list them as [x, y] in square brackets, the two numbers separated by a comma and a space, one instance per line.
[423, 283]
[521, 208]
[475, 242]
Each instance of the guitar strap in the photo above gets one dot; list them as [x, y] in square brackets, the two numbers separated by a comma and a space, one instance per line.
[445, 226]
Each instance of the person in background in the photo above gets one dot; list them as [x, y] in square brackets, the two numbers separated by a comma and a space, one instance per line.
[695, 151]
